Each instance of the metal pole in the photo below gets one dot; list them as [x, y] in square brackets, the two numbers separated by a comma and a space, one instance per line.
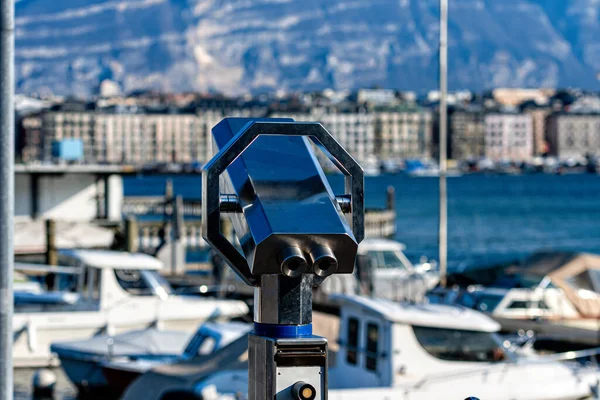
[7, 192]
[443, 216]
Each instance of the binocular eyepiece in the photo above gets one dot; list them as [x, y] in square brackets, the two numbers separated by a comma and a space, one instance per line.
[324, 261]
[293, 263]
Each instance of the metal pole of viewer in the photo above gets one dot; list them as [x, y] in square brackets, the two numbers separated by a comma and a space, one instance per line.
[7, 129]
[443, 211]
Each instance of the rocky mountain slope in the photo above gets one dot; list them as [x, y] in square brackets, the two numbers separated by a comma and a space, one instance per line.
[235, 46]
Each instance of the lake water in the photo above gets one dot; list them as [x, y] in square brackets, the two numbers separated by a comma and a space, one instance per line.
[491, 218]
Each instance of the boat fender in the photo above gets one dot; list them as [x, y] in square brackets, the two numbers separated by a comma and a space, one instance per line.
[43, 383]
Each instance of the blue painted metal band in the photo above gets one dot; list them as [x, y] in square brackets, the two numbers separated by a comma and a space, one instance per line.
[282, 331]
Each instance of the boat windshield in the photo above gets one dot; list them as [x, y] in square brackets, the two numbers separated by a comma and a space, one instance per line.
[386, 259]
[486, 302]
[458, 345]
[143, 282]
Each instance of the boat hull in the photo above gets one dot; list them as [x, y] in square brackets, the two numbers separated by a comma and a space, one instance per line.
[119, 379]
[34, 336]
[85, 374]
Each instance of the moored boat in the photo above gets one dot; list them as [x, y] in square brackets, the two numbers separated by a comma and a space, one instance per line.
[390, 350]
[384, 271]
[555, 294]
[117, 292]
[111, 362]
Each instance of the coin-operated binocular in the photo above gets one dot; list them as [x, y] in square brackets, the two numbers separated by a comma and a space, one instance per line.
[293, 233]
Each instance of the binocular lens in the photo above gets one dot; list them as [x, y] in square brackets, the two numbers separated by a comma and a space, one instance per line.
[293, 263]
[324, 261]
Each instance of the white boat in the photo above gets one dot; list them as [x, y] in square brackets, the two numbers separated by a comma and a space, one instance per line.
[211, 337]
[387, 350]
[117, 292]
[81, 359]
[428, 169]
[551, 293]
[384, 271]
[130, 354]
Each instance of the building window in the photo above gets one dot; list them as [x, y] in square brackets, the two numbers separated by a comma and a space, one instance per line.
[372, 347]
[353, 335]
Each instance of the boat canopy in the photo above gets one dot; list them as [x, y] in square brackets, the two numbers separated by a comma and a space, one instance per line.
[146, 342]
[424, 315]
[579, 278]
[113, 259]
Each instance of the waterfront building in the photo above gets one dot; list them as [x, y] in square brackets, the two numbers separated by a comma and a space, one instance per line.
[354, 131]
[454, 98]
[376, 97]
[381, 134]
[574, 135]
[29, 138]
[508, 136]
[512, 97]
[466, 134]
[126, 136]
[539, 116]
[587, 103]
[131, 138]
[538, 119]
[403, 134]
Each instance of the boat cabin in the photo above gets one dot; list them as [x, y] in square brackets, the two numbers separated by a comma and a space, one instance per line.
[383, 270]
[383, 343]
[554, 286]
[116, 292]
[386, 350]
[96, 279]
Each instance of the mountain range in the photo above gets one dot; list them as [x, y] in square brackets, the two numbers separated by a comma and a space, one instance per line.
[69, 47]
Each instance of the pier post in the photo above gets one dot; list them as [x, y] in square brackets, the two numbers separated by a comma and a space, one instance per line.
[51, 252]
[34, 186]
[168, 190]
[131, 235]
[391, 198]
[7, 193]
[107, 194]
[177, 227]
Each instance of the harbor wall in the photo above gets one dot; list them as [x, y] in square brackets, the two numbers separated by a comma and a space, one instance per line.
[68, 197]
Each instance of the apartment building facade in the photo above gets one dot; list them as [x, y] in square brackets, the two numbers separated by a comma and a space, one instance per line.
[574, 135]
[466, 134]
[508, 136]
[401, 135]
[376, 135]
[131, 138]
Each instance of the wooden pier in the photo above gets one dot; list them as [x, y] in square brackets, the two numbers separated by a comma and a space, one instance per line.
[156, 216]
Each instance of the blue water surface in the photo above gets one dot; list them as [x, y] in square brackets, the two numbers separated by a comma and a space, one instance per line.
[491, 218]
